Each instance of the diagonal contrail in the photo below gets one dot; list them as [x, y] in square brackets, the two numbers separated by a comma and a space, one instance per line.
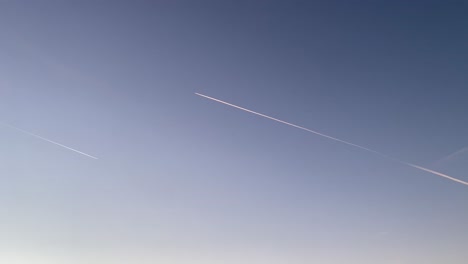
[337, 139]
[48, 140]
[451, 156]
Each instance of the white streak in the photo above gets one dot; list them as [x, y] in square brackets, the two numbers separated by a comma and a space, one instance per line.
[48, 140]
[451, 156]
[437, 173]
[336, 139]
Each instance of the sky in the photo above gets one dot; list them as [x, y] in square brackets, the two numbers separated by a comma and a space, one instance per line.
[180, 179]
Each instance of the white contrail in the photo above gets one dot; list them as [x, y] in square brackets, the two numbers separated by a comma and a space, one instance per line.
[436, 173]
[336, 139]
[48, 140]
[451, 156]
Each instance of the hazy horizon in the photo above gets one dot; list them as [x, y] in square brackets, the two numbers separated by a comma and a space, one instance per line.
[180, 179]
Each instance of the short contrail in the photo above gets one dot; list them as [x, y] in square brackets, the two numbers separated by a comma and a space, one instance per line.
[451, 156]
[336, 139]
[48, 140]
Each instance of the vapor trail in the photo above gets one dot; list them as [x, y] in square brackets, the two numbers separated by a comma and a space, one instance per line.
[336, 139]
[451, 156]
[48, 140]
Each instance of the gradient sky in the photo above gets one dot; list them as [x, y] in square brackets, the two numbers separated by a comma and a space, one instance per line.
[181, 179]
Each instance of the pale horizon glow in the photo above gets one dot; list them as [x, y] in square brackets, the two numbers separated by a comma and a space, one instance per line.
[142, 171]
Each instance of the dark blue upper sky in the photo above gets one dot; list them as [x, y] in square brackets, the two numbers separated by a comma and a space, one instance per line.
[180, 178]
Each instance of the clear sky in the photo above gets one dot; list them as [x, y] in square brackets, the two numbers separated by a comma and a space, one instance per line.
[181, 179]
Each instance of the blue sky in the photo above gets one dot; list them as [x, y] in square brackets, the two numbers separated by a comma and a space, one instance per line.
[181, 179]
